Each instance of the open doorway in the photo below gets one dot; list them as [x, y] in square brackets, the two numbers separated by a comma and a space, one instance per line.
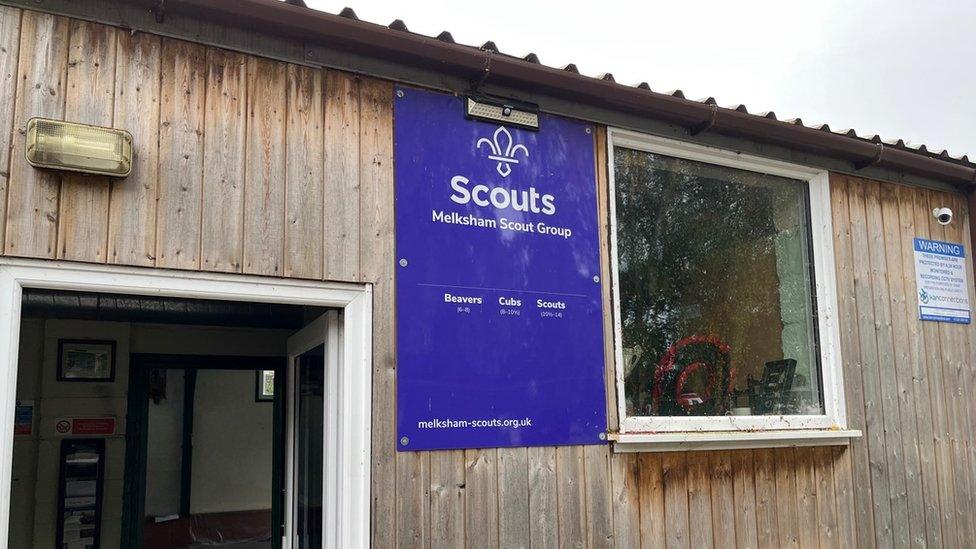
[63, 440]
[157, 422]
[204, 459]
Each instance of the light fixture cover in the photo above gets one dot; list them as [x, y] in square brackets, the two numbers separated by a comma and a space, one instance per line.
[509, 112]
[74, 147]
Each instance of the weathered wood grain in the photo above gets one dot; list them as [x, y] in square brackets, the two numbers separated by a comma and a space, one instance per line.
[918, 374]
[447, 491]
[481, 498]
[674, 476]
[304, 173]
[377, 264]
[413, 504]
[806, 497]
[886, 369]
[625, 481]
[342, 215]
[650, 481]
[853, 366]
[9, 52]
[847, 530]
[957, 396]
[264, 167]
[376, 173]
[570, 490]
[968, 341]
[788, 529]
[900, 369]
[132, 210]
[719, 467]
[599, 480]
[599, 508]
[383, 451]
[932, 358]
[32, 194]
[874, 427]
[964, 213]
[764, 472]
[822, 466]
[513, 498]
[89, 99]
[699, 500]
[744, 499]
[963, 361]
[543, 499]
[225, 122]
[603, 211]
[183, 94]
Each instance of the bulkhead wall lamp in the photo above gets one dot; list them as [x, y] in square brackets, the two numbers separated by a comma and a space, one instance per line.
[59, 145]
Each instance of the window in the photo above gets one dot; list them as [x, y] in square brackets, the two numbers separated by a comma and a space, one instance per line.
[723, 290]
[265, 385]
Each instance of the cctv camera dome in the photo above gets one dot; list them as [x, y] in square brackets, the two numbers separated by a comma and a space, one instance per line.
[943, 215]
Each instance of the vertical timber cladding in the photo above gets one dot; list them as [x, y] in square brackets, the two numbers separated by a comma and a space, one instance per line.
[499, 310]
[907, 381]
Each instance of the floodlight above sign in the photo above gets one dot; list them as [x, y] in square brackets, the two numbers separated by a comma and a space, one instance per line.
[504, 111]
[499, 301]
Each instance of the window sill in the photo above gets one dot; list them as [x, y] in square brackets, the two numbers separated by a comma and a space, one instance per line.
[728, 440]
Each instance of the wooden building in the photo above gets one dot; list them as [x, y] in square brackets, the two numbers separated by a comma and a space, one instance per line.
[263, 152]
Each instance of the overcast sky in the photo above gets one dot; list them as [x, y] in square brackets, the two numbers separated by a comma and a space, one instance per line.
[899, 68]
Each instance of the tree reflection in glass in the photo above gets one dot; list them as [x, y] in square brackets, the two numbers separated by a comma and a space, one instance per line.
[716, 294]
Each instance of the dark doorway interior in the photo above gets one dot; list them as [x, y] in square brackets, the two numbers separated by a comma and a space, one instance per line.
[191, 437]
[229, 457]
[309, 404]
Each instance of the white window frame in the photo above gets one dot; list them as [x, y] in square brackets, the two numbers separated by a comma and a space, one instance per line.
[352, 443]
[645, 430]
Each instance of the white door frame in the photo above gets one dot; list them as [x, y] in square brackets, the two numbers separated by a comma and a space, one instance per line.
[352, 443]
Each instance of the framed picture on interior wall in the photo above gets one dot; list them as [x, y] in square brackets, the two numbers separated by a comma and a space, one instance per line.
[265, 386]
[86, 360]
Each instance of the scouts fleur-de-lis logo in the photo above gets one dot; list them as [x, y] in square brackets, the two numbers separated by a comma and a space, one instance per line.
[502, 149]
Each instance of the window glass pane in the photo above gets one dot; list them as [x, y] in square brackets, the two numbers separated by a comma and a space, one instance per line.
[266, 385]
[716, 291]
[309, 434]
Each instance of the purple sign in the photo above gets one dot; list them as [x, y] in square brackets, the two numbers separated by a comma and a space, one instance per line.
[499, 319]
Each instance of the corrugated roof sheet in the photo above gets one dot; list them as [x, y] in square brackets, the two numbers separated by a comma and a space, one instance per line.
[921, 149]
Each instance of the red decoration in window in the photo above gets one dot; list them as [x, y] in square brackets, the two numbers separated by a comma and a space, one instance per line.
[672, 375]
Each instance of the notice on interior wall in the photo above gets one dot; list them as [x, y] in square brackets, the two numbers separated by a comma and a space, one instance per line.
[84, 426]
[499, 309]
[24, 418]
[940, 276]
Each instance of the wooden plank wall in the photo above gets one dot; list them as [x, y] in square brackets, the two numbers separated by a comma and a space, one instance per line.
[907, 381]
[247, 165]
